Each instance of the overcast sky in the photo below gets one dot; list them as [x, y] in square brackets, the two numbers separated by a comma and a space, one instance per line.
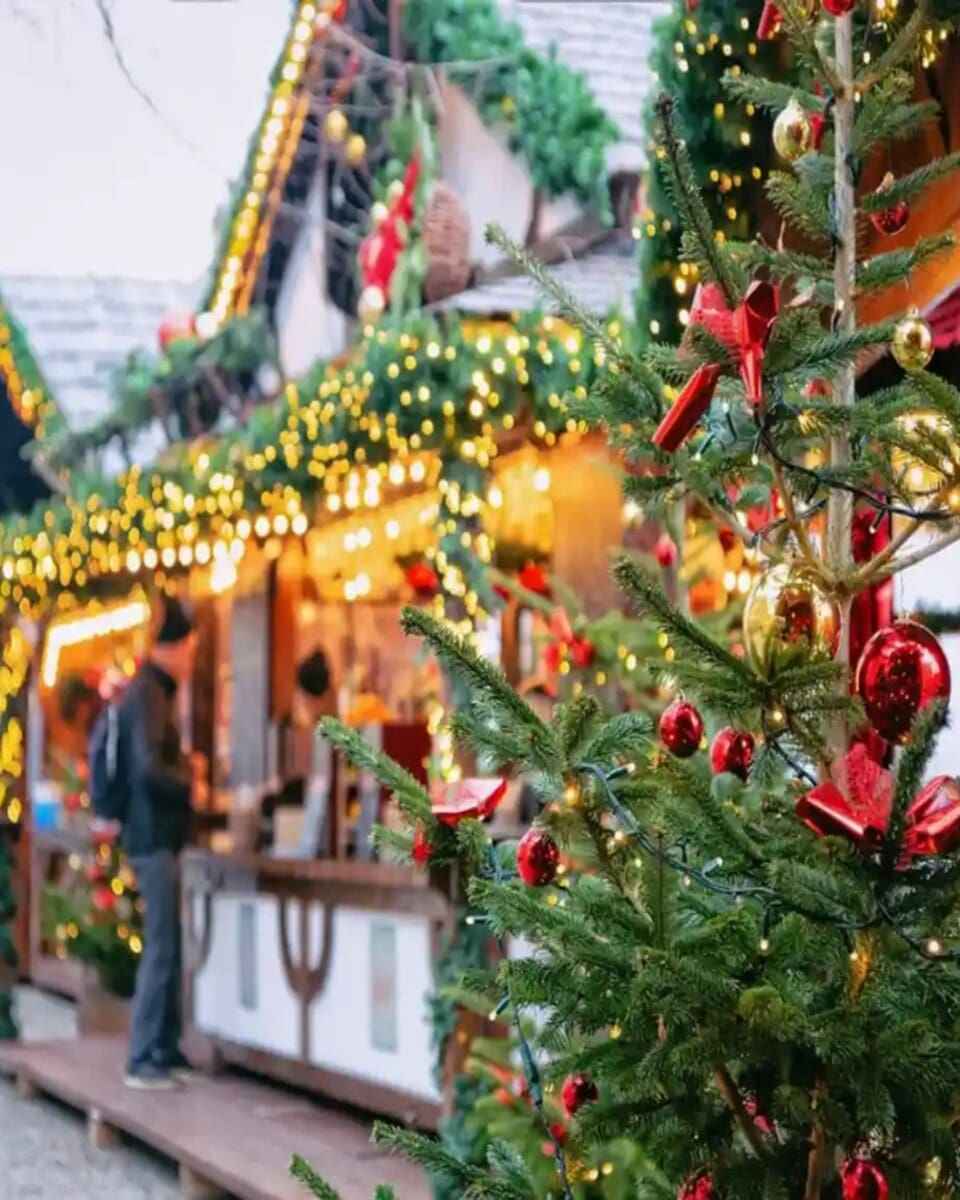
[92, 181]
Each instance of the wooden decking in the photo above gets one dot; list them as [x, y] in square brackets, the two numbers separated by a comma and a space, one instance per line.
[229, 1135]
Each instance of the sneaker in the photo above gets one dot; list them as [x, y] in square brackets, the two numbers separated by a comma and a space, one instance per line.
[182, 1071]
[150, 1079]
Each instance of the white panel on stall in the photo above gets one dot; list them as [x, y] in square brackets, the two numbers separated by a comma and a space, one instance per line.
[383, 989]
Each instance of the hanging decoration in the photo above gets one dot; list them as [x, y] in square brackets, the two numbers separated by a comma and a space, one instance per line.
[788, 619]
[532, 578]
[681, 729]
[892, 218]
[665, 551]
[578, 1090]
[456, 801]
[862, 1179]
[698, 1187]
[912, 342]
[792, 132]
[538, 858]
[423, 579]
[839, 8]
[871, 609]
[380, 250]
[422, 849]
[903, 668]
[732, 751]
[771, 21]
[685, 413]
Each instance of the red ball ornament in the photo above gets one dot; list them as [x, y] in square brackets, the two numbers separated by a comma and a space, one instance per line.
[423, 579]
[863, 1180]
[728, 539]
[681, 728]
[902, 669]
[582, 652]
[537, 858]
[561, 1136]
[732, 752]
[665, 550]
[103, 899]
[839, 8]
[578, 1089]
[893, 217]
[533, 579]
[422, 850]
[698, 1187]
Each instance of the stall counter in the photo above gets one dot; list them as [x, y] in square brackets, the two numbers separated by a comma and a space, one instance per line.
[317, 973]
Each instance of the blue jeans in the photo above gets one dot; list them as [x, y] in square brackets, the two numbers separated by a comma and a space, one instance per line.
[155, 1019]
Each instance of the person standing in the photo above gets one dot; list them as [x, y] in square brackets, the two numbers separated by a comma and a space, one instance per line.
[161, 786]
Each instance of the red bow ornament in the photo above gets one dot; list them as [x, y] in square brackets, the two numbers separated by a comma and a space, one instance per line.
[771, 19]
[452, 803]
[744, 332]
[859, 809]
[581, 650]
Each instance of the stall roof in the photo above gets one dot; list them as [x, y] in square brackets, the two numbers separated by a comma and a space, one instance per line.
[83, 327]
[602, 280]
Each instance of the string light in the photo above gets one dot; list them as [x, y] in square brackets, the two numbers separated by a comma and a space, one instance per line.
[71, 632]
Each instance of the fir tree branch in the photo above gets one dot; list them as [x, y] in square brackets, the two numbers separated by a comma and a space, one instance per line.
[904, 47]
[685, 193]
[734, 1101]
[301, 1170]
[411, 796]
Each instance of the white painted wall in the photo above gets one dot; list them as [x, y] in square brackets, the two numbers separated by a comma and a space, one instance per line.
[341, 1020]
[309, 325]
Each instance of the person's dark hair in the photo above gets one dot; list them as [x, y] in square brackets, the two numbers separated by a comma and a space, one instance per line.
[175, 624]
[313, 675]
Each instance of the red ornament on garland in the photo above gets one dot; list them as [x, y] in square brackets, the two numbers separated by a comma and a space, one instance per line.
[862, 1179]
[533, 579]
[422, 849]
[891, 219]
[681, 728]
[103, 899]
[578, 1089]
[902, 669]
[423, 579]
[538, 857]
[560, 1135]
[839, 8]
[176, 327]
[732, 752]
[665, 550]
[698, 1187]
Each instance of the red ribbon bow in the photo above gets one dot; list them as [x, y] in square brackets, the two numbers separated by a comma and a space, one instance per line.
[860, 811]
[452, 803]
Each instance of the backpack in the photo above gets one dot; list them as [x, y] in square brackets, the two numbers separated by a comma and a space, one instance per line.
[109, 788]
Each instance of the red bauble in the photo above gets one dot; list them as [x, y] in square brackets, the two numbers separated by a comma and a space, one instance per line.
[728, 539]
[902, 669]
[176, 327]
[698, 1187]
[422, 850]
[732, 751]
[839, 8]
[863, 1180]
[560, 1136]
[537, 858]
[681, 728]
[103, 899]
[893, 217]
[578, 1089]
[533, 579]
[665, 550]
[423, 579]
[582, 652]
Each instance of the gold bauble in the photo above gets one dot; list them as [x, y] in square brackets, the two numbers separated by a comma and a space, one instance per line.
[912, 342]
[788, 620]
[377, 213]
[395, 191]
[356, 149]
[335, 125]
[371, 304]
[792, 132]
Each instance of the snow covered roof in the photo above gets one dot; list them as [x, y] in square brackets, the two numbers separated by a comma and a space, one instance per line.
[81, 328]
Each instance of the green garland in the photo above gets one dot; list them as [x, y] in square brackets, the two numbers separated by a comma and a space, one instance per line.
[45, 419]
[421, 386]
[548, 111]
[692, 52]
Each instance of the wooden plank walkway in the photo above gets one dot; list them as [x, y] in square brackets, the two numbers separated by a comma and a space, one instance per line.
[230, 1134]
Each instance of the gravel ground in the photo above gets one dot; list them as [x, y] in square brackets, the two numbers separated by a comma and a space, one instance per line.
[44, 1153]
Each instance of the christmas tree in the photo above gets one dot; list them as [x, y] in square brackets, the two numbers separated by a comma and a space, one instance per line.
[743, 963]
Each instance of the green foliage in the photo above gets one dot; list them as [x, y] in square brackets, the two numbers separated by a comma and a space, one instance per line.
[27, 389]
[551, 119]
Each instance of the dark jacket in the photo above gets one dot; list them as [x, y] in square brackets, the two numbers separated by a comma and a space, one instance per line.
[158, 814]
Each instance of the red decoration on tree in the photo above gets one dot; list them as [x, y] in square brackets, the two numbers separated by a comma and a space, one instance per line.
[578, 1089]
[839, 8]
[732, 751]
[818, 120]
[176, 327]
[422, 849]
[753, 323]
[681, 728]
[764, 1124]
[728, 539]
[862, 1179]
[933, 818]
[533, 579]
[698, 1187]
[103, 899]
[582, 653]
[94, 873]
[665, 550]
[894, 217]
[771, 21]
[902, 669]
[452, 803]
[537, 858]
[872, 609]
[684, 414]
[380, 250]
[423, 579]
